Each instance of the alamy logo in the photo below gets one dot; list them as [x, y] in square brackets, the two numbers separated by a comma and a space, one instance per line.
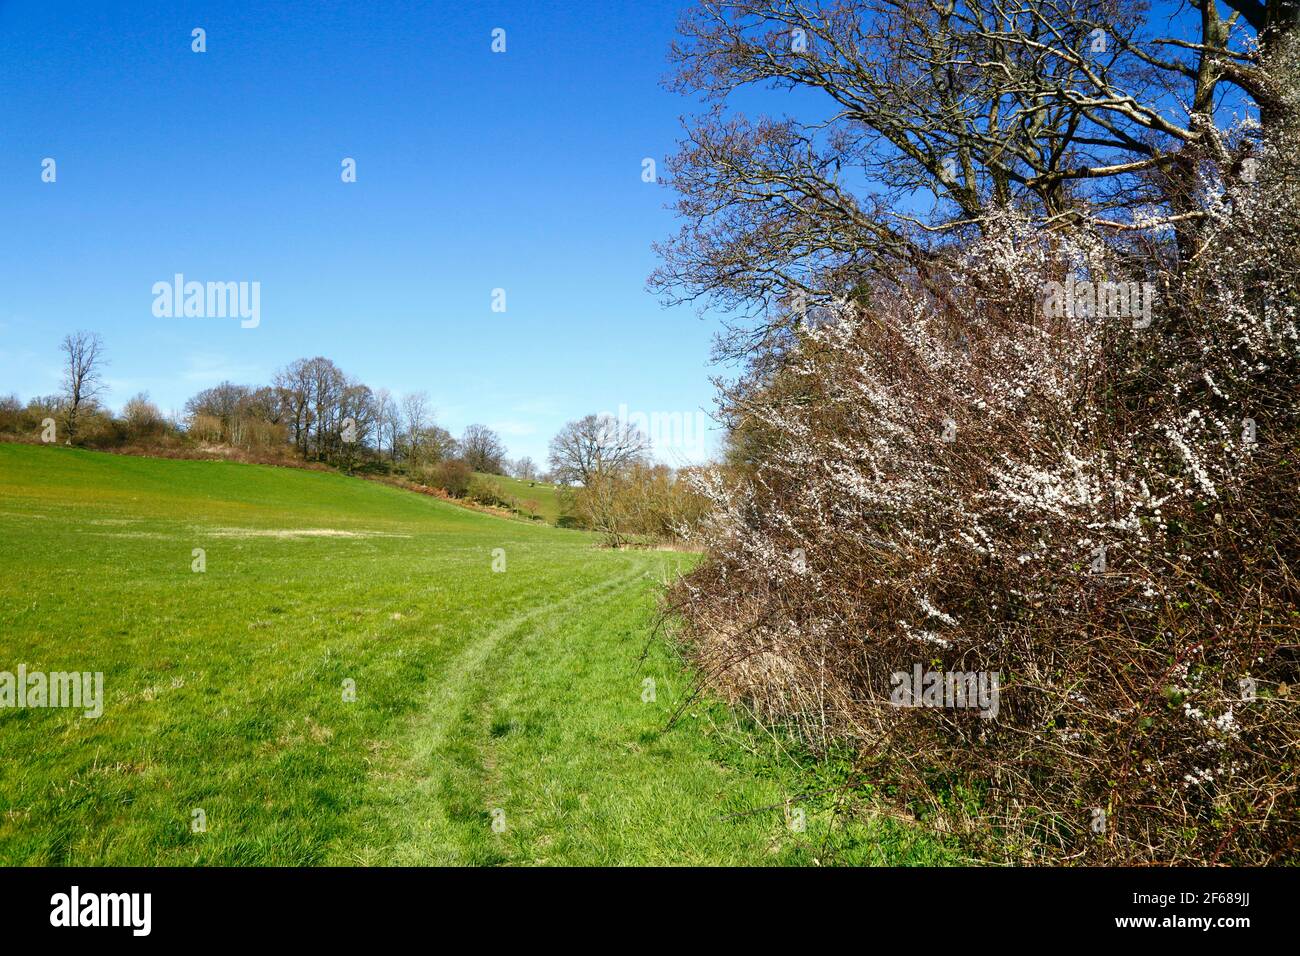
[103, 909]
[208, 300]
[1115, 300]
[79, 690]
[682, 432]
[973, 690]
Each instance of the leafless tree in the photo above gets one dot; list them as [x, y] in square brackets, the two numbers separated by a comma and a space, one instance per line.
[293, 385]
[82, 376]
[326, 383]
[142, 416]
[416, 415]
[593, 447]
[327, 415]
[1074, 110]
[483, 449]
[222, 401]
[387, 422]
[525, 469]
[356, 423]
[437, 445]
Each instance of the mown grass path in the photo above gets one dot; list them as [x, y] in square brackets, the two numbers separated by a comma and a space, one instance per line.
[518, 691]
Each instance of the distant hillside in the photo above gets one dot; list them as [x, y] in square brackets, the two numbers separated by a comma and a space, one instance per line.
[546, 495]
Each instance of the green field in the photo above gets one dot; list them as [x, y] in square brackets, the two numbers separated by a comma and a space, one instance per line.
[546, 496]
[511, 697]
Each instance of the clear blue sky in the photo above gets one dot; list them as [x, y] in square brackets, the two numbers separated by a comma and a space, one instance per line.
[475, 171]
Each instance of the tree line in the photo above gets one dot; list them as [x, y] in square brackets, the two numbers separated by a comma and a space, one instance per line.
[311, 409]
[314, 413]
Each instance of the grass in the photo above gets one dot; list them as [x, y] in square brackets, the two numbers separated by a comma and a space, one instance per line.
[546, 496]
[516, 691]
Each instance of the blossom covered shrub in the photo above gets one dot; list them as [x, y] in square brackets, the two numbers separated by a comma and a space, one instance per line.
[971, 471]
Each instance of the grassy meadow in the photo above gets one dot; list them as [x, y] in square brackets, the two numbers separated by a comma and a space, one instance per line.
[546, 495]
[498, 714]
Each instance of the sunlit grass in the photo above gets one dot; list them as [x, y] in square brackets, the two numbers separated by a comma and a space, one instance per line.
[519, 691]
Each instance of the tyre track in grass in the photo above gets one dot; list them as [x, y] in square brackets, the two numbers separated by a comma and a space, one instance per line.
[413, 808]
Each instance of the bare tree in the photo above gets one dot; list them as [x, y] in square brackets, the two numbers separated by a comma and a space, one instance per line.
[222, 402]
[387, 422]
[437, 444]
[326, 384]
[1075, 111]
[293, 385]
[594, 447]
[416, 415]
[82, 376]
[525, 469]
[483, 449]
[142, 416]
[357, 421]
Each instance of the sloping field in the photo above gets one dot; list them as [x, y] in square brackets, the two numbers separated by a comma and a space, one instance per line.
[498, 714]
[546, 496]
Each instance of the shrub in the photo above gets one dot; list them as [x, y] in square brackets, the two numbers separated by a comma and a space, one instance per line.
[1104, 515]
[451, 475]
[142, 418]
[485, 491]
[639, 502]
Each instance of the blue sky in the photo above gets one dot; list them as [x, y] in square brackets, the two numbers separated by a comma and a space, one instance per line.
[475, 171]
